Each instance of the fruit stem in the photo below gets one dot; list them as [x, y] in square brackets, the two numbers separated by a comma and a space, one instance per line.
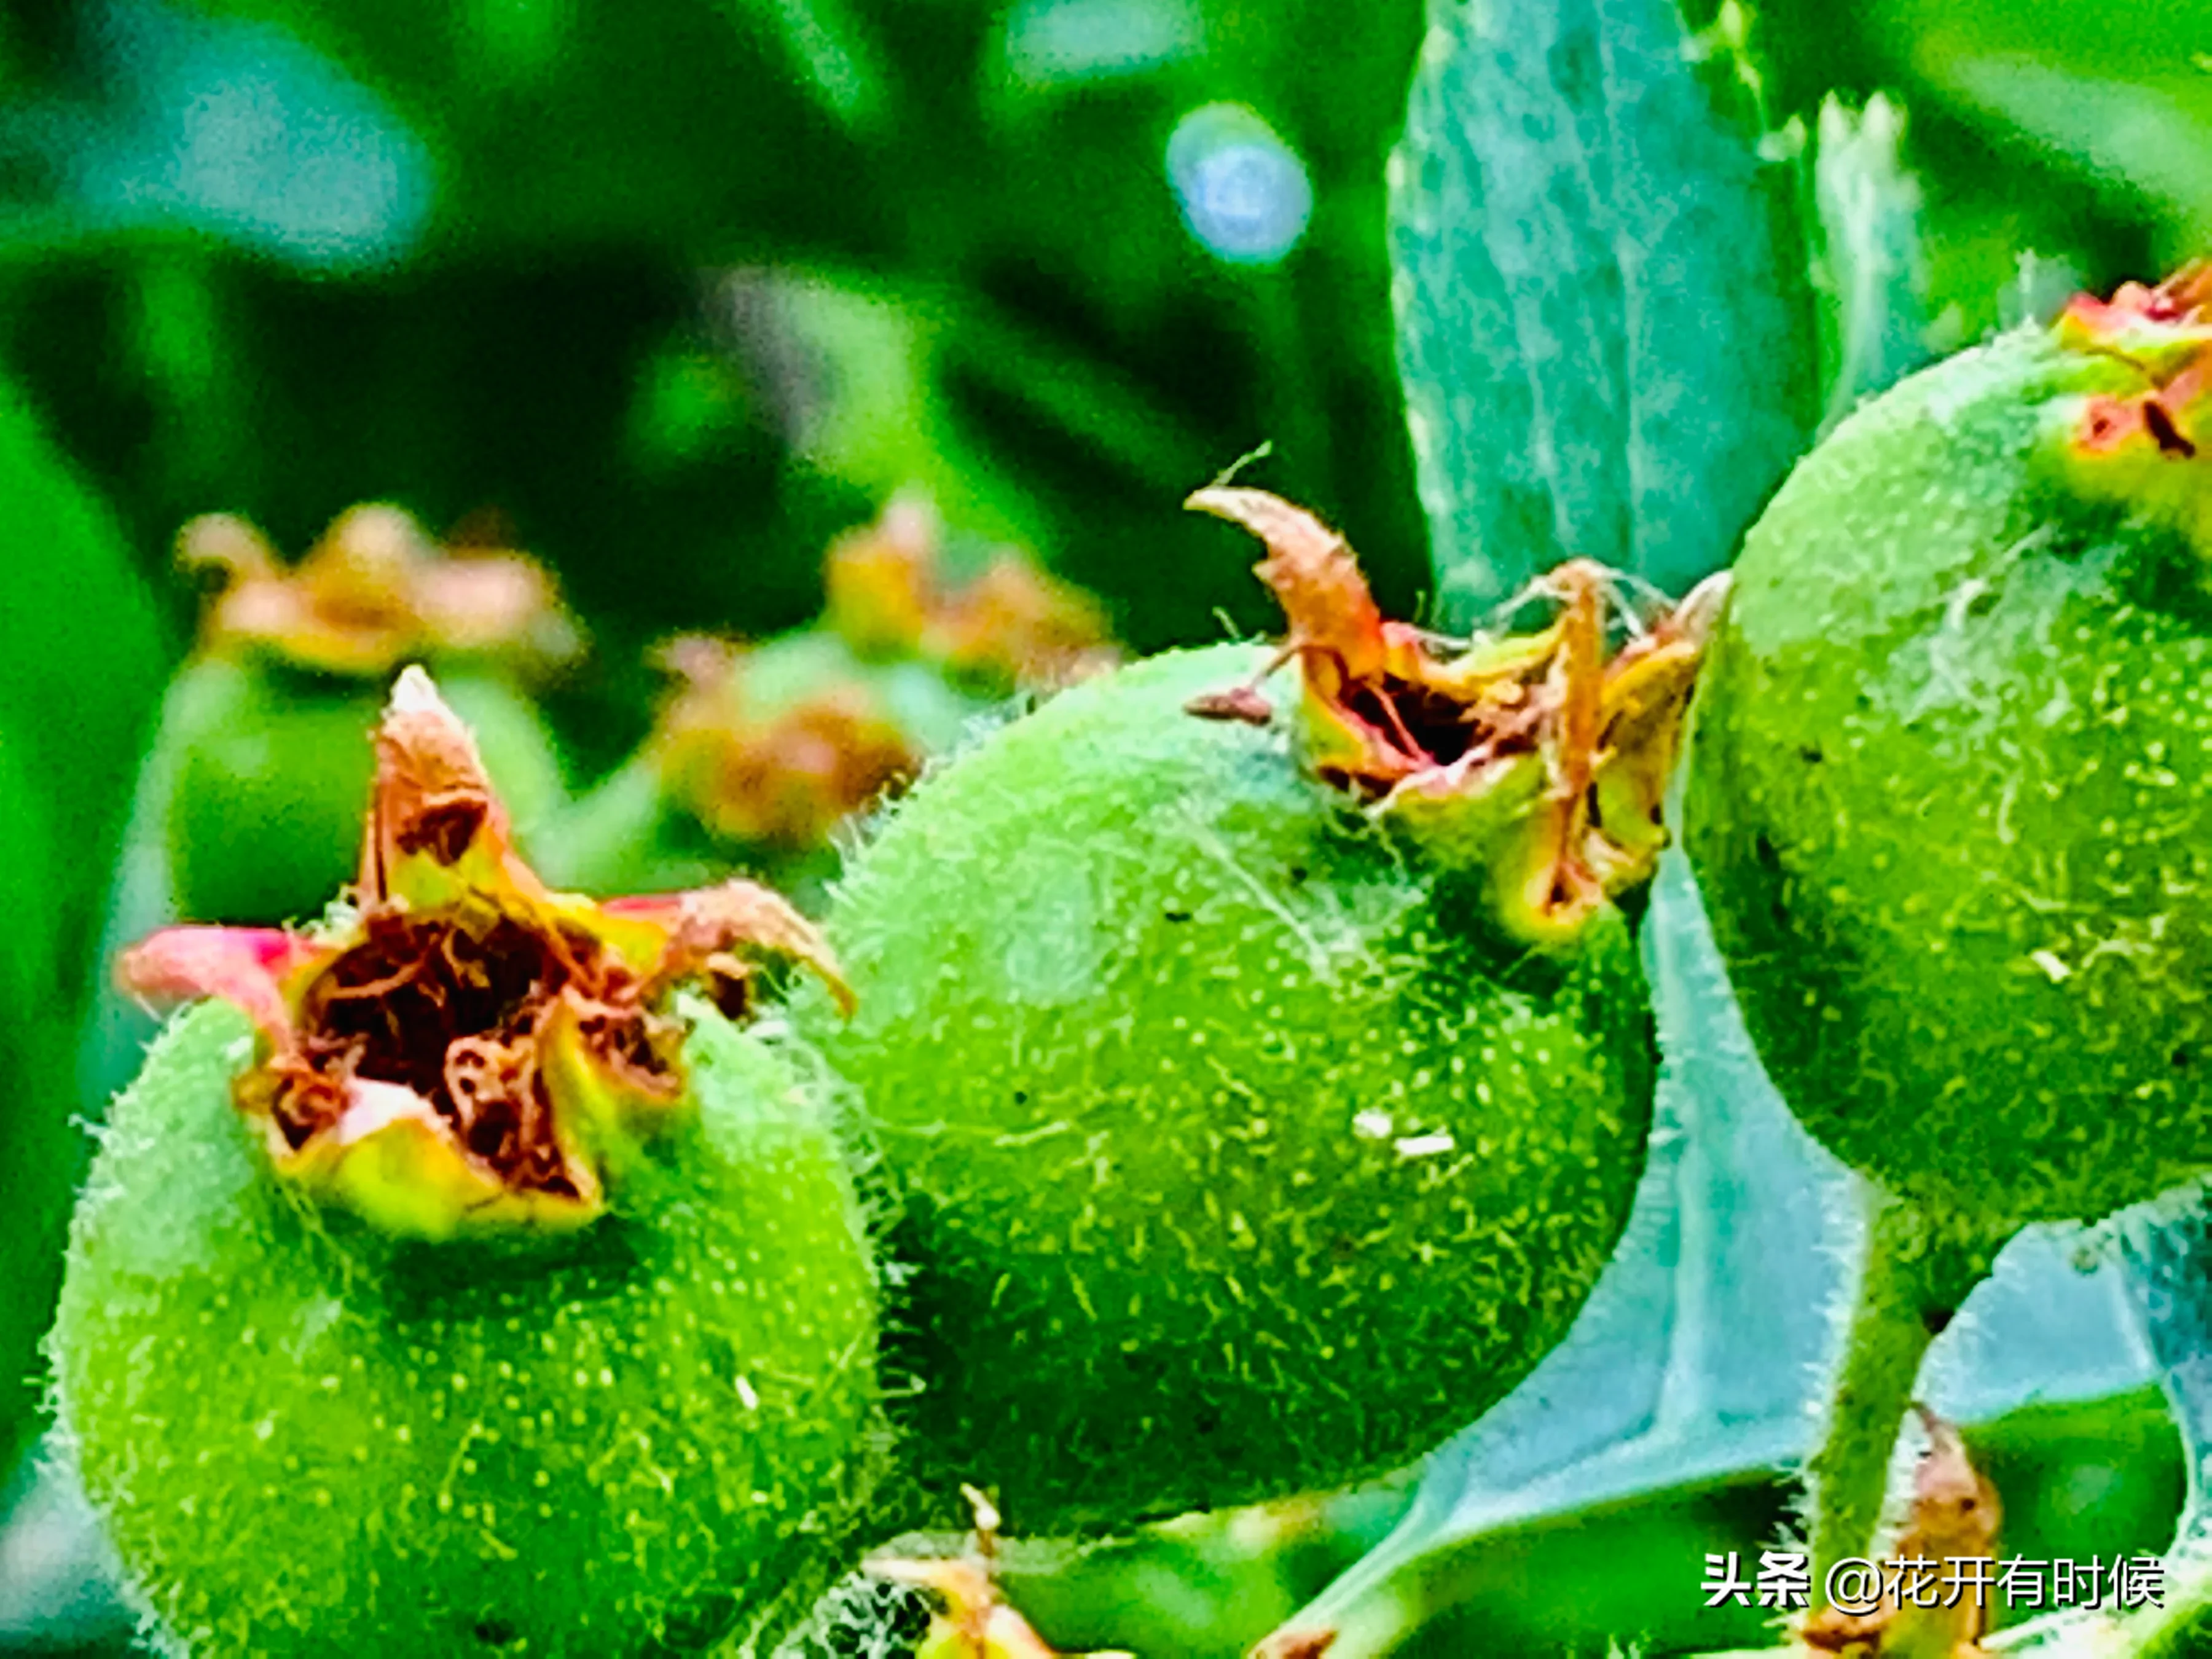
[1916, 1270]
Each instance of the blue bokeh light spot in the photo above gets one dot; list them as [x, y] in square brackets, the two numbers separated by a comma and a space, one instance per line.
[1243, 192]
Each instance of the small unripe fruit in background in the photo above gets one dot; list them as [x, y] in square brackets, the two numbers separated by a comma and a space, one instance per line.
[258, 773]
[766, 750]
[1264, 1071]
[454, 1282]
[1950, 790]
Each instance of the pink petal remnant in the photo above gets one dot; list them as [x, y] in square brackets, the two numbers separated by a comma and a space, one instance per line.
[245, 966]
[2165, 334]
[1410, 722]
[457, 1053]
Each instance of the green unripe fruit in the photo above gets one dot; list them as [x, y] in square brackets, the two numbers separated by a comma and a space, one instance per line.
[457, 1290]
[1248, 1143]
[753, 764]
[1949, 802]
[308, 1439]
[248, 801]
[766, 750]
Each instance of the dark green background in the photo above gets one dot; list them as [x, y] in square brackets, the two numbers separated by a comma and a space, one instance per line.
[678, 288]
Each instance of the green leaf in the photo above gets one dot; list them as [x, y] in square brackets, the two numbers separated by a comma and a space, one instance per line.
[2169, 1275]
[235, 130]
[1605, 325]
[2165, 1249]
[829, 47]
[58, 1597]
[865, 378]
[81, 662]
[2121, 102]
[1058, 48]
[1871, 273]
[36, 1129]
[2099, 1477]
[29, 865]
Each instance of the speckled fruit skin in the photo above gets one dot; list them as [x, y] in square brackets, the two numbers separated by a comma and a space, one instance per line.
[308, 1440]
[1949, 806]
[1160, 1041]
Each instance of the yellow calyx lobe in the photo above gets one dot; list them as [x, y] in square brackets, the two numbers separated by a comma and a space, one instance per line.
[1539, 758]
[460, 1048]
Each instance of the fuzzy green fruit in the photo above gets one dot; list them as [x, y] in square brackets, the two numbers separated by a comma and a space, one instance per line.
[453, 1291]
[1249, 1142]
[308, 1439]
[1949, 800]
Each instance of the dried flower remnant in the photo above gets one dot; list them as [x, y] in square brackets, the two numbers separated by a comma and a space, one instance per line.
[248, 801]
[1558, 731]
[465, 1046]
[440, 1248]
[2163, 332]
[970, 1615]
[1954, 1519]
[764, 749]
[782, 774]
[1012, 625]
[373, 593]
[2141, 443]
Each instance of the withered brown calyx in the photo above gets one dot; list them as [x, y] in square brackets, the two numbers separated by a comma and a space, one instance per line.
[1542, 754]
[459, 1047]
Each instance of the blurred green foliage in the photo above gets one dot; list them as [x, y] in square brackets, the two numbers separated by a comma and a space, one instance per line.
[676, 289]
[680, 288]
